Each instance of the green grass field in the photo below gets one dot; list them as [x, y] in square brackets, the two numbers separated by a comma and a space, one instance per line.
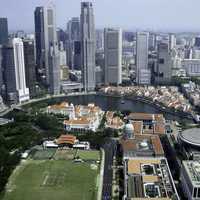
[52, 180]
[88, 155]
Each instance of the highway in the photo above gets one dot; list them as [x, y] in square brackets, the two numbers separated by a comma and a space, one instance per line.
[110, 150]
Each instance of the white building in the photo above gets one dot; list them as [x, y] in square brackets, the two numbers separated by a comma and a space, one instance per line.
[191, 66]
[82, 145]
[113, 56]
[81, 118]
[22, 90]
[172, 41]
[143, 73]
[82, 124]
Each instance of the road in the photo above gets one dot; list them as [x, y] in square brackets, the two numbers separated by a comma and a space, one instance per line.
[110, 150]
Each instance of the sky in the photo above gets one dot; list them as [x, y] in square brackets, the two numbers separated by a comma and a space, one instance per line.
[165, 15]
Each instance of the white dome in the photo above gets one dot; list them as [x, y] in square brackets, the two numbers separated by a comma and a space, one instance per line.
[144, 144]
[129, 130]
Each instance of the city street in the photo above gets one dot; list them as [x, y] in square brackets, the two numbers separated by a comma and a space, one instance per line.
[110, 151]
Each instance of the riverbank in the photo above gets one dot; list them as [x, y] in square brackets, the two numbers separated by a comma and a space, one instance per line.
[107, 102]
[157, 105]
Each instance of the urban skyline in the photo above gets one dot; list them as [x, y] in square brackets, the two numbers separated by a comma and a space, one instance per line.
[114, 110]
[138, 15]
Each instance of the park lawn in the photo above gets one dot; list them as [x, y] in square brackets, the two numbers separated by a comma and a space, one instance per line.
[88, 154]
[51, 180]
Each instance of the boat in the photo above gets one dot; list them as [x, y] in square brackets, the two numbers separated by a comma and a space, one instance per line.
[122, 102]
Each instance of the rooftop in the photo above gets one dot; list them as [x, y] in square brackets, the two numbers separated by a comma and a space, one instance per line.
[142, 145]
[145, 123]
[193, 171]
[191, 136]
[66, 139]
[149, 178]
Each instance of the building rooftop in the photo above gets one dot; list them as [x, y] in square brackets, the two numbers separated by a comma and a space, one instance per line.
[193, 171]
[141, 116]
[191, 136]
[142, 145]
[66, 139]
[149, 178]
[145, 123]
[81, 120]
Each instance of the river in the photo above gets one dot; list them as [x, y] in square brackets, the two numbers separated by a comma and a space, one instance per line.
[115, 104]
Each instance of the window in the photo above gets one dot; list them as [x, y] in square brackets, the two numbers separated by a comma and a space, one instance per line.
[195, 192]
[198, 195]
[161, 61]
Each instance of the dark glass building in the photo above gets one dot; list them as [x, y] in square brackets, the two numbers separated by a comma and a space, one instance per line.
[9, 74]
[30, 70]
[3, 31]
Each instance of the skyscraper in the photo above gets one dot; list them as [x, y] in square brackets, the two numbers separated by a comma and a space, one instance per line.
[99, 39]
[73, 30]
[113, 56]
[54, 70]
[172, 41]
[9, 75]
[22, 90]
[197, 41]
[143, 73]
[1, 71]
[152, 41]
[3, 31]
[45, 35]
[88, 46]
[77, 55]
[163, 69]
[39, 38]
[30, 70]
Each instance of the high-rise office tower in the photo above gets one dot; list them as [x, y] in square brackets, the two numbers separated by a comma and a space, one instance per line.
[163, 69]
[22, 90]
[9, 74]
[88, 46]
[152, 41]
[3, 31]
[54, 70]
[99, 39]
[197, 41]
[45, 35]
[113, 56]
[73, 30]
[143, 73]
[63, 56]
[62, 38]
[77, 55]
[14, 72]
[1, 71]
[30, 70]
[172, 41]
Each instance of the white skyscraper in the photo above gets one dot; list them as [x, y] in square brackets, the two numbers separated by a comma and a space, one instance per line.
[22, 90]
[113, 56]
[172, 41]
[143, 73]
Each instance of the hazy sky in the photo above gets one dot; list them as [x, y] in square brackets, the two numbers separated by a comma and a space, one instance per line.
[169, 15]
